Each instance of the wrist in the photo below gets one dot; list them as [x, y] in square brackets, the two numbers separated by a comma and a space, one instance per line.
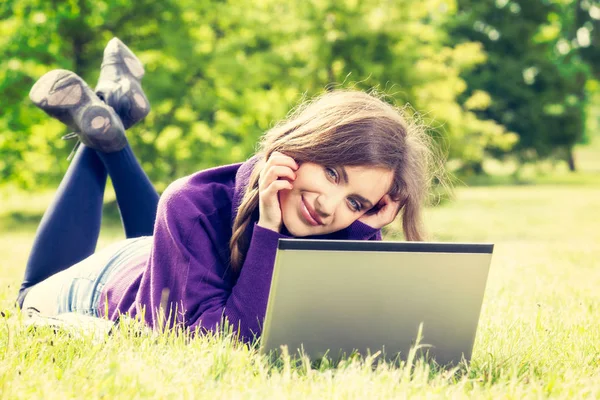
[266, 225]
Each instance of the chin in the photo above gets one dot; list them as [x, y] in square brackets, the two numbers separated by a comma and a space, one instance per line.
[298, 229]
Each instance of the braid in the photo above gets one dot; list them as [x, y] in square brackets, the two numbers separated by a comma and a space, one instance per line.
[239, 243]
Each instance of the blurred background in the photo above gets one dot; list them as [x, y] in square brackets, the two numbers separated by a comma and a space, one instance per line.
[508, 88]
[503, 85]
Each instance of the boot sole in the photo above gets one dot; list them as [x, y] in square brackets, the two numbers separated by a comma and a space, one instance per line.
[133, 105]
[124, 56]
[64, 95]
[58, 90]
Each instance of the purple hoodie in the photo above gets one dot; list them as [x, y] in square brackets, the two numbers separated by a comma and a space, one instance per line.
[188, 270]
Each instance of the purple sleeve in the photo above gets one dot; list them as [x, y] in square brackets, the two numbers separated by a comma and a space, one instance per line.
[187, 279]
[243, 305]
[159, 298]
[358, 231]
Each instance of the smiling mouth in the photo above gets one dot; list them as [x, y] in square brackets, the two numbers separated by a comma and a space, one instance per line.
[307, 215]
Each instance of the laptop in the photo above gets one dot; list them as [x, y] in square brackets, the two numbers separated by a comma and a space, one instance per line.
[335, 298]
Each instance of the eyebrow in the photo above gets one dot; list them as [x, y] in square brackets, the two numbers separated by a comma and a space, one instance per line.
[344, 174]
[365, 201]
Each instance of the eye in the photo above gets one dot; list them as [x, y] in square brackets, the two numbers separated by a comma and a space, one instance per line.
[355, 205]
[332, 173]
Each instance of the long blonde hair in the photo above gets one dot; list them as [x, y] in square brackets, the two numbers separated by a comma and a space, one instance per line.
[349, 128]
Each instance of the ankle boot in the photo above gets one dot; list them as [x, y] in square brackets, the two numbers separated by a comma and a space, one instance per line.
[65, 96]
[119, 84]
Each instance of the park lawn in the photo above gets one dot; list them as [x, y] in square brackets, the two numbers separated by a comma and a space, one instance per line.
[539, 334]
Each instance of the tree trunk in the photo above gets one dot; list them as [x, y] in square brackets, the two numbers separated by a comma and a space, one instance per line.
[571, 160]
[78, 56]
[80, 39]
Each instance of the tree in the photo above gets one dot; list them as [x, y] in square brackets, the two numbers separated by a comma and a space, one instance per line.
[220, 73]
[535, 91]
[38, 36]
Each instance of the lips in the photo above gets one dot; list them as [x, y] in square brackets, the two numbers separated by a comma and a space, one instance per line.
[309, 214]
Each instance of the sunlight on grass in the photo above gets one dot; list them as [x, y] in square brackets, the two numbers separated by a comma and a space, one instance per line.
[538, 336]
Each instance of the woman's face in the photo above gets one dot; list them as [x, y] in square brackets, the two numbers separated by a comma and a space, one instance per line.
[327, 199]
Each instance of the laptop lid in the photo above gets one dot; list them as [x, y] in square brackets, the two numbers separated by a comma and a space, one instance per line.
[334, 297]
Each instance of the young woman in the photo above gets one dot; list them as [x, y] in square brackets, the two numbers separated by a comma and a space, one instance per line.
[339, 167]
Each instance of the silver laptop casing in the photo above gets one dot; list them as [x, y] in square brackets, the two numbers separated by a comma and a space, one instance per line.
[333, 298]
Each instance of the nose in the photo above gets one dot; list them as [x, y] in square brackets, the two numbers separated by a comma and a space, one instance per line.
[326, 204]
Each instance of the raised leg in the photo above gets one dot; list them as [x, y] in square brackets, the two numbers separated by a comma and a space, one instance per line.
[136, 196]
[120, 87]
[70, 227]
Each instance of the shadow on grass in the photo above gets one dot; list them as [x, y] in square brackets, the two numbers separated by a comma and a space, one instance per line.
[28, 221]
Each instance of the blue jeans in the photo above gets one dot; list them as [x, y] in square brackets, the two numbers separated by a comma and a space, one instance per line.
[78, 288]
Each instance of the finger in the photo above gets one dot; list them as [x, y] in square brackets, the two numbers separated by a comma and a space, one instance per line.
[278, 158]
[384, 212]
[385, 200]
[379, 207]
[275, 173]
[270, 193]
[389, 212]
[282, 162]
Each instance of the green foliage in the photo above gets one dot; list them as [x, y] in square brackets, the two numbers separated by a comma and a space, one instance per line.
[536, 84]
[584, 19]
[218, 74]
[37, 36]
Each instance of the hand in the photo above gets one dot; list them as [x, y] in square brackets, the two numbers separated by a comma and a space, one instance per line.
[383, 213]
[277, 174]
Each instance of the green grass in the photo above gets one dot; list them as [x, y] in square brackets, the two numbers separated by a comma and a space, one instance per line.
[539, 334]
